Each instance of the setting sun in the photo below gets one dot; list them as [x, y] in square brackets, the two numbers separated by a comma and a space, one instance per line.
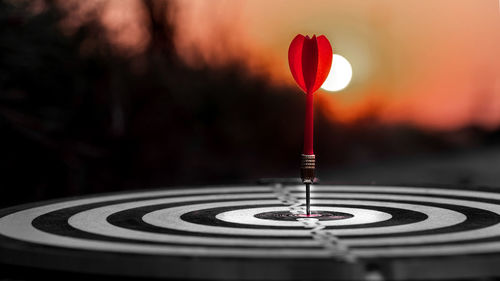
[340, 74]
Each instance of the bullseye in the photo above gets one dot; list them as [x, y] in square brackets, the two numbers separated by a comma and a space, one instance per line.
[288, 216]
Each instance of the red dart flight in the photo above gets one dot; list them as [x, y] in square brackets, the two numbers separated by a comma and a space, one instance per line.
[310, 60]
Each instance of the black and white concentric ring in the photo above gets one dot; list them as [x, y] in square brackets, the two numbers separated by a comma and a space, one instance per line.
[370, 221]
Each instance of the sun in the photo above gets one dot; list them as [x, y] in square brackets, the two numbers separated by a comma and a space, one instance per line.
[340, 74]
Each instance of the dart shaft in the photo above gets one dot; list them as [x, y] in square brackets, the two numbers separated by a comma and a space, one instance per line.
[309, 125]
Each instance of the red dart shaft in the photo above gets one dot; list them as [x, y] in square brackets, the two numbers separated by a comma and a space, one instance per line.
[309, 124]
[308, 159]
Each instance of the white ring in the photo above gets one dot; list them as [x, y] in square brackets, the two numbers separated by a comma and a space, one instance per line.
[170, 218]
[247, 216]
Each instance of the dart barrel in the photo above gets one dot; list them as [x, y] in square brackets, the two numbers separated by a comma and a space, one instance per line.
[307, 167]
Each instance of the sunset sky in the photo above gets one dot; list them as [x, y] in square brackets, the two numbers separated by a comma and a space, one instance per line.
[434, 64]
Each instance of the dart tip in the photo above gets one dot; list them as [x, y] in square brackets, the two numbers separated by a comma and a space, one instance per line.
[308, 199]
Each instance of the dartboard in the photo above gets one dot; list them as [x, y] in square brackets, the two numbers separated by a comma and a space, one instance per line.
[261, 232]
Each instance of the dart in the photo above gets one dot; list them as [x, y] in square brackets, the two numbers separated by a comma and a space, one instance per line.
[310, 60]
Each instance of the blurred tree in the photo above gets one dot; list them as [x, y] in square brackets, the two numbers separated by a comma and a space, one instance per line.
[77, 116]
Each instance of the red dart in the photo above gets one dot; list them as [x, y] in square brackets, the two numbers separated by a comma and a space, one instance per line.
[310, 60]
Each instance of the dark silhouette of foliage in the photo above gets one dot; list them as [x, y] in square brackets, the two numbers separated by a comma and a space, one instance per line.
[74, 123]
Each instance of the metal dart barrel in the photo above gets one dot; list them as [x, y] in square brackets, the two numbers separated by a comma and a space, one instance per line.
[307, 171]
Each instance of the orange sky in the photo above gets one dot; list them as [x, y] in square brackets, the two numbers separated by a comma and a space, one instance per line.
[432, 63]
